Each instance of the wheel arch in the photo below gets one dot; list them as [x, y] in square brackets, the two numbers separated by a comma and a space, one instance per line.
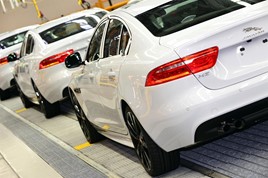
[32, 82]
[12, 82]
[66, 92]
[70, 92]
[160, 160]
[124, 105]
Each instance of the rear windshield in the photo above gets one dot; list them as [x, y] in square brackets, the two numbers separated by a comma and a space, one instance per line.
[68, 28]
[180, 14]
[12, 40]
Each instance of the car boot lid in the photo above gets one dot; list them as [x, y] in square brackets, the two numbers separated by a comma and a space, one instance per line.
[241, 38]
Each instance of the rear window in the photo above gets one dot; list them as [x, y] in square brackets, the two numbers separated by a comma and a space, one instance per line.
[68, 28]
[180, 14]
[12, 40]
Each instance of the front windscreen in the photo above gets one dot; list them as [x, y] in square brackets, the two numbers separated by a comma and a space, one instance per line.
[68, 28]
[177, 15]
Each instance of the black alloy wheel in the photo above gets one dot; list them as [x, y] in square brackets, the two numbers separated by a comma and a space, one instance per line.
[49, 110]
[154, 160]
[25, 100]
[89, 131]
[4, 95]
[138, 140]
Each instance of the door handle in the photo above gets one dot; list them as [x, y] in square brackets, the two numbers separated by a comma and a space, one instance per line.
[26, 68]
[111, 75]
[91, 75]
[77, 90]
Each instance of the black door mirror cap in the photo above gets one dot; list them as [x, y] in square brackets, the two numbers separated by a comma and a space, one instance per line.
[73, 60]
[12, 57]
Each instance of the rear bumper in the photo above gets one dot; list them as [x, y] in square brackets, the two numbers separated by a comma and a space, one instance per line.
[232, 121]
[182, 113]
[8, 85]
[6, 77]
[53, 81]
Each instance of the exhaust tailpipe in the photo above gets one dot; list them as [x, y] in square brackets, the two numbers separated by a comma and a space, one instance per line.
[224, 127]
[239, 124]
[235, 124]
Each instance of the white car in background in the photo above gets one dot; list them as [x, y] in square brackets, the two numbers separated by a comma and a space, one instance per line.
[40, 73]
[10, 42]
[167, 74]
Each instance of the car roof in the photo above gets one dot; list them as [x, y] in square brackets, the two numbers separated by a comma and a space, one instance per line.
[2, 34]
[16, 31]
[60, 20]
[137, 7]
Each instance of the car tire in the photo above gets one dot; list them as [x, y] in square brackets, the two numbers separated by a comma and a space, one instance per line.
[155, 160]
[25, 101]
[89, 131]
[4, 95]
[49, 110]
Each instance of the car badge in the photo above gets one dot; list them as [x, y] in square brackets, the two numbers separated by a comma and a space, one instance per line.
[249, 29]
[253, 32]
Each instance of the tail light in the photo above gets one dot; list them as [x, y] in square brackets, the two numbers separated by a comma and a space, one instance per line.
[182, 67]
[55, 59]
[3, 61]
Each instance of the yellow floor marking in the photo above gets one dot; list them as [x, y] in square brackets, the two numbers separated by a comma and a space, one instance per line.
[21, 110]
[106, 127]
[82, 146]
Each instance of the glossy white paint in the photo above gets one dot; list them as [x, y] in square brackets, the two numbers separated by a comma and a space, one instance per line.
[51, 81]
[171, 112]
[6, 70]
[234, 64]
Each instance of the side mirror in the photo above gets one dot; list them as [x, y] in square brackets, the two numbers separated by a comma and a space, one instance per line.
[73, 60]
[12, 57]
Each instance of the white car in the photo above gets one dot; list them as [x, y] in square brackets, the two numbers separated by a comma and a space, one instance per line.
[41, 75]
[168, 74]
[10, 42]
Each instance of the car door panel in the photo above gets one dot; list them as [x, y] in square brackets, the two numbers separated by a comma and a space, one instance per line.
[114, 46]
[108, 74]
[89, 91]
[24, 65]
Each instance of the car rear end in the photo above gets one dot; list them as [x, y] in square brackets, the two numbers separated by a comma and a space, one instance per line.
[6, 68]
[218, 81]
[10, 43]
[52, 77]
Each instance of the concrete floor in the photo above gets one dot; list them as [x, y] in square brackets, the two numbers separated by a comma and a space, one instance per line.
[29, 126]
[17, 158]
[59, 145]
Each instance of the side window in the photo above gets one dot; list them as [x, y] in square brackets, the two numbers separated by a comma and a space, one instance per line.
[95, 44]
[112, 40]
[124, 42]
[22, 49]
[29, 45]
[117, 39]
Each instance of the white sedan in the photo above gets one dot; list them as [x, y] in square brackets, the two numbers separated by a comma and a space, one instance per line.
[10, 42]
[40, 72]
[167, 74]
